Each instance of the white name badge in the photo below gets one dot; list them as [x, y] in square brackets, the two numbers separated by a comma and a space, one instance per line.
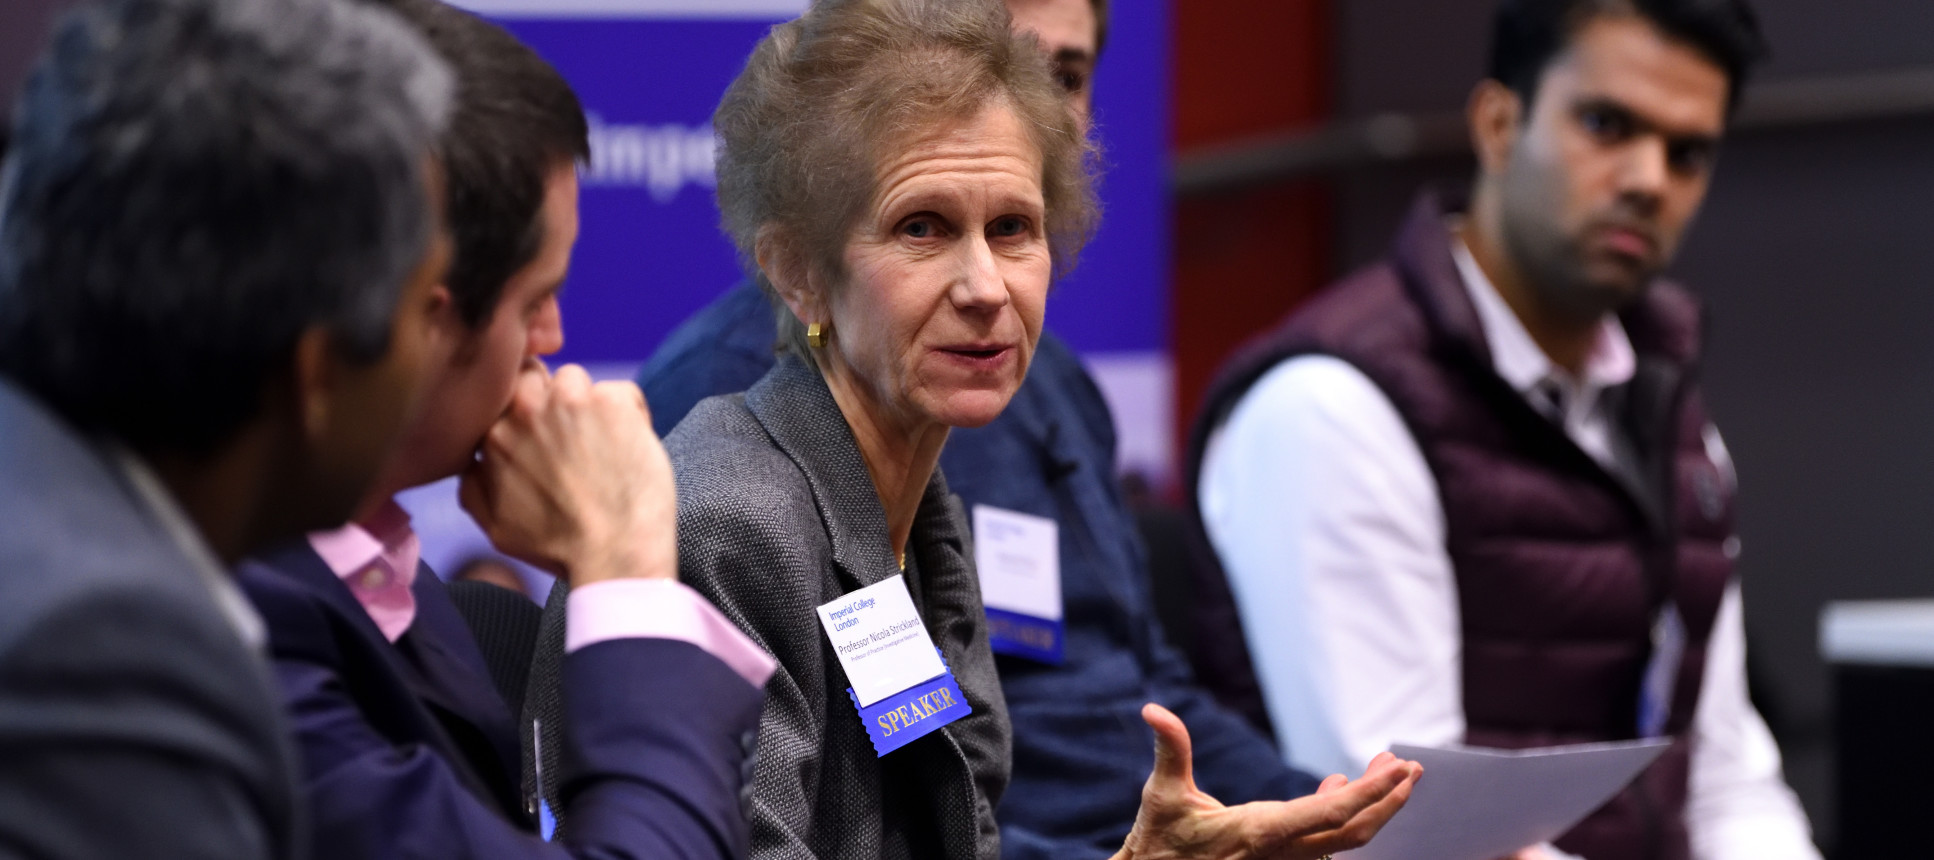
[880, 641]
[1018, 557]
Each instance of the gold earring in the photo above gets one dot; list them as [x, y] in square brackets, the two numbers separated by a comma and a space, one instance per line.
[816, 335]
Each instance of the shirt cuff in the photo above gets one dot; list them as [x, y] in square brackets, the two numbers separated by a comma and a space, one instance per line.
[661, 609]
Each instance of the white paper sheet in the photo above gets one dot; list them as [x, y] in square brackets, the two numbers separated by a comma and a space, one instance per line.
[1480, 804]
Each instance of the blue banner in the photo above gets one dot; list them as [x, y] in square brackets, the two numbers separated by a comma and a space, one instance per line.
[650, 73]
[650, 252]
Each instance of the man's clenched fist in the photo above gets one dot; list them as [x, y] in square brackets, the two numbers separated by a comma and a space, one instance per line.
[573, 480]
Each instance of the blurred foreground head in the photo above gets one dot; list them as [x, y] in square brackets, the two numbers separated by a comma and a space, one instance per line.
[1597, 132]
[219, 224]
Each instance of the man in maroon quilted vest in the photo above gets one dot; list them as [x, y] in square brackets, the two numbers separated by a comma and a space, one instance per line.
[1472, 493]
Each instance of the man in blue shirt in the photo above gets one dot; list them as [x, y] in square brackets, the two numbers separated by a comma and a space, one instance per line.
[1081, 749]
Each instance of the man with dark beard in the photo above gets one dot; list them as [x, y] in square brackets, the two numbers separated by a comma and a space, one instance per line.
[1471, 494]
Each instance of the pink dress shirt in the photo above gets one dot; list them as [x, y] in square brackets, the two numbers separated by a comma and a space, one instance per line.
[377, 559]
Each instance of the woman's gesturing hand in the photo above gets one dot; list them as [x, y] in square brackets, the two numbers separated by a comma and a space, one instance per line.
[1177, 820]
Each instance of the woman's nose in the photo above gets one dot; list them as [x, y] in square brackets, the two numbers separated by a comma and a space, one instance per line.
[979, 283]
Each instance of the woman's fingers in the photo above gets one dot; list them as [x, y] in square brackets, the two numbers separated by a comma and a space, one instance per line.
[1388, 789]
[1173, 753]
[1340, 818]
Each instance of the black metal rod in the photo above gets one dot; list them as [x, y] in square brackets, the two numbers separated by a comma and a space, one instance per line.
[1394, 138]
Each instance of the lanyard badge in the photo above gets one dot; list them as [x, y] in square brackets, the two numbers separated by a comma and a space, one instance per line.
[902, 688]
[1018, 557]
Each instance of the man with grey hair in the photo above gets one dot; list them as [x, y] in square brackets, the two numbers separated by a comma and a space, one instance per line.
[220, 226]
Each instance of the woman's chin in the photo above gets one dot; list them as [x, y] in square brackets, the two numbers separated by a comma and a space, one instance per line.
[968, 409]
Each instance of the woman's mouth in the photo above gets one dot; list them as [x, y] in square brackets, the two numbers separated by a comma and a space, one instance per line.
[978, 356]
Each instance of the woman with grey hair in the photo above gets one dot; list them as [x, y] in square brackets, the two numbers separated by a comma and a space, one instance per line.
[904, 180]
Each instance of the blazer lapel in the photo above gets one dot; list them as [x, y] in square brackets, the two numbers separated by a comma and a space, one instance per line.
[798, 411]
[451, 677]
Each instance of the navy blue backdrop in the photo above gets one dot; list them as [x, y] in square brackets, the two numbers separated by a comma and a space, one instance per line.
[650, 252]
[650, 73]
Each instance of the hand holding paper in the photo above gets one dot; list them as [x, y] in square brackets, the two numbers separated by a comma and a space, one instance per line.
[1482, 803]
[1177, 820]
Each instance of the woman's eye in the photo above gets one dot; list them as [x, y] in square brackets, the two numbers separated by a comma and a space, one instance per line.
[919, 229]
[1009, 226]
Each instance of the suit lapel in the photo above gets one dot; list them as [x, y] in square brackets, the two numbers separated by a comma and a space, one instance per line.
[300, 563]
[449, 674]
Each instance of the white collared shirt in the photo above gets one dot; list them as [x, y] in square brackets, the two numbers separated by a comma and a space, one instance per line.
[1327, 518]
[1576, 402]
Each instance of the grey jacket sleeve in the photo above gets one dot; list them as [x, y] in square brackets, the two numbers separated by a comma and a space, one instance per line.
[126, 731]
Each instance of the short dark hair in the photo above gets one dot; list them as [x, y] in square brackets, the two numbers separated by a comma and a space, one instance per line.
[1526, 35]
[192, 185]
[515, 121]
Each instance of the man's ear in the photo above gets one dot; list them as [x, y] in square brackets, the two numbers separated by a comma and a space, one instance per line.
[790, 276]
[1496, 116]
[315, 379]
[443, 308]
[447, 328]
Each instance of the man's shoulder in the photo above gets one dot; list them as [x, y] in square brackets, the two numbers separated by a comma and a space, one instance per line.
[97, 600]
[1670, 320]
[740, 319]
[723, 348]
[72, 535]
[1368, 308]
[1363, 318]
[1058, 382]
[98, 618]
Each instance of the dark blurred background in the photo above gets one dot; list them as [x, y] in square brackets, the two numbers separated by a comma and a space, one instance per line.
[1301, 128]
[23, 27]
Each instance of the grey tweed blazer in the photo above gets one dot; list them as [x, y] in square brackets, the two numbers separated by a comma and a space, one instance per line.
[776, 516]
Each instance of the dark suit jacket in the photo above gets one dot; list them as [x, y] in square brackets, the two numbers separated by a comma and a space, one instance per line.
[777, 515]
[134, 721]
[1081, 750]
[411, 751]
